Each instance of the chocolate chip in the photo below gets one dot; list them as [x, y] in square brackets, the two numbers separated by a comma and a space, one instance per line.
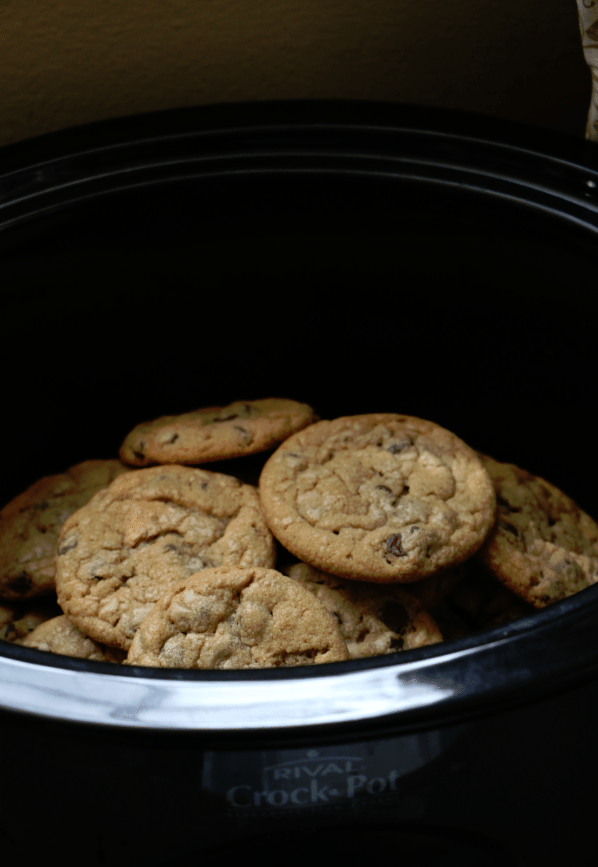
[8, 632]
[226, 417]
[395, 448]
[395, 497]
[247, 437]
[181, 550]
[36, 507]
[505, 504]
[509, 527]
[66, 547]
[140, 453]
[394, 615]
[568, 568]
[21, 583]
[393, 545]
[172, 439]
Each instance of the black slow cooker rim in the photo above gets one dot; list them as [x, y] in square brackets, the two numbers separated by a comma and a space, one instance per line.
[547, 652]
[554, 171]
[299, 114]
[97, 158]
[544, 621]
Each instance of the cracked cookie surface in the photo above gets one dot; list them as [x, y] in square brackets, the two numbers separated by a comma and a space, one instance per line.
[215, 433]
[149, 530]
[373, 619]
[543, 547]
[59, 635]
[231, 618]
[31, 523]
[381, 497]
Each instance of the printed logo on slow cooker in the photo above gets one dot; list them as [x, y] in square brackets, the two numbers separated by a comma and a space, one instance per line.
[314, 780]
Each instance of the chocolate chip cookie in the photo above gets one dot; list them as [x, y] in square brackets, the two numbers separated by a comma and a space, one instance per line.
[231, 618]
[382, 497]
[543, 547]
[30, 525]
[149, 530]
[59, 635]
[215, 433]
[373, 619]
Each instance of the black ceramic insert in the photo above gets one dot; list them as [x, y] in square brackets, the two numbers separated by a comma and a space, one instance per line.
[359, 257]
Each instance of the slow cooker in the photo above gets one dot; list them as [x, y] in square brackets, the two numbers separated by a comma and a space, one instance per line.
[360, 257]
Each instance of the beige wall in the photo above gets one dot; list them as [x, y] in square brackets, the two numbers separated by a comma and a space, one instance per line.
[65, 62]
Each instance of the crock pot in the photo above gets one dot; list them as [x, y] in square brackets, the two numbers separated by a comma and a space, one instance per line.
[359, 257]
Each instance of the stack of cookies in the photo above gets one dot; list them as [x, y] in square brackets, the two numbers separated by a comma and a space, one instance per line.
[365, 535]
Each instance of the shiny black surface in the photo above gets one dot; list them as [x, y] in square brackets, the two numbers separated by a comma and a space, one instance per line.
[360, 257]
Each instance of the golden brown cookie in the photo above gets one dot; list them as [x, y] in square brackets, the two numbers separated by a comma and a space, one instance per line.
[150, 529]
[383, 498]
[59, 635]
[215, 433]
[30, 525]
[543, 547]
[373, 619]
[231, 618]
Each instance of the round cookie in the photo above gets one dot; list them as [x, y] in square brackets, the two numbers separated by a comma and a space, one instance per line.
[30, 525]
[215, 433]
[543, 547]
[237, 618]
[149, 530]
[373, 619]
[383, 498]
[59, 635]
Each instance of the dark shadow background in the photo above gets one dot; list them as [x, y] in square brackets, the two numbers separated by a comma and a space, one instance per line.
[352, 295]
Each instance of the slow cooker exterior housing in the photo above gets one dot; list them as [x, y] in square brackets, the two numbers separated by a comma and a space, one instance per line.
[359, 257]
